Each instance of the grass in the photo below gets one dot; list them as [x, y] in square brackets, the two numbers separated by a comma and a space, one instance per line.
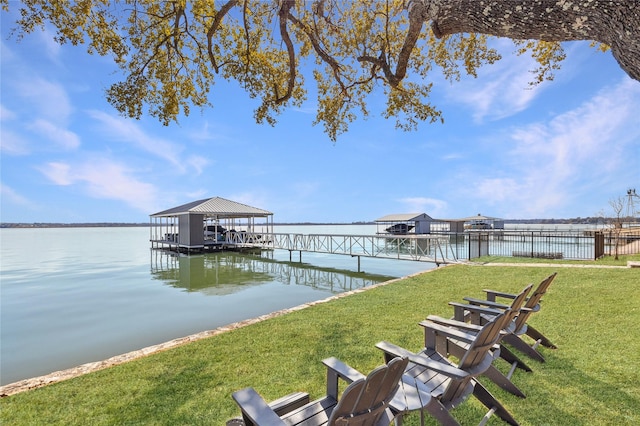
[603, 261]
[592, 378]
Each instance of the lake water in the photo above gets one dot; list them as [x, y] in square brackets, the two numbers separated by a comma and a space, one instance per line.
[75, 295]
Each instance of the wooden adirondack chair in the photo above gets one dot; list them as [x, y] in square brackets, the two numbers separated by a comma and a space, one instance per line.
[467, 312]
[531, 306]
[364, 402]
[448, 383]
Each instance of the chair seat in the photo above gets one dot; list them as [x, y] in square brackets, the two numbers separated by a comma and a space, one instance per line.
[315, 413]
[411, 395]
[435, 382]
[365, 401]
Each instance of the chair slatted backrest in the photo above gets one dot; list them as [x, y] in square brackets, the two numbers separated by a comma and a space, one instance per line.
[365, 400]
[477, 358]
[484, 341]
[532, 304]
[516, 305]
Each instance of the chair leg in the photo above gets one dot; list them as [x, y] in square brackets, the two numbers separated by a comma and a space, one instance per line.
[511, 358]
[523, 347]
[489, 401]
[503, 381]
[536, 335]
[440, 413]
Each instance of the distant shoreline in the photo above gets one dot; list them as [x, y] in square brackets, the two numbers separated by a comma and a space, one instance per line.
[573, 221]
[72, 225]
[122, 225]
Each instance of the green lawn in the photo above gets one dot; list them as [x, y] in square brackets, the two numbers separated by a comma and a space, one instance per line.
[592, 314]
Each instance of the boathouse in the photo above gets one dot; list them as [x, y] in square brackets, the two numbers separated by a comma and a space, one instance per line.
[210, 224]
[482, 222]
[478, 222]
[402, 224]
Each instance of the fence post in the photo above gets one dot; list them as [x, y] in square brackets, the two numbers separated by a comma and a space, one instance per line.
[598, 245]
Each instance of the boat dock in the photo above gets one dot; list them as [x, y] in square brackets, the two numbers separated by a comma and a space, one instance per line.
[423, 248]
[219, 224]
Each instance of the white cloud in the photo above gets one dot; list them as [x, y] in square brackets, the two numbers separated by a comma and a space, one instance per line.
[6, 114]
[9, 195]
[198, 163]
[208, 132]
[501, 89]
[126, 130]
[58, 173]
[47, 99]
[43, 107]
[104, 179]
[7, 55]
[431, 206]
[61, 137]
[49, 45]
[557, 162]
[12, 143]
[37, 102]
[452, 156]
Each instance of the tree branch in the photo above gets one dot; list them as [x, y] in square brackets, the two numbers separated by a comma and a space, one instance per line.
[417, 16]
[328, 59]
[214, 27]
[283, 15]
[614, 23]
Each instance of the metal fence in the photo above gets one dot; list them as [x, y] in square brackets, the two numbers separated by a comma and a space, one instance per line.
[581, 245]
[447, 247]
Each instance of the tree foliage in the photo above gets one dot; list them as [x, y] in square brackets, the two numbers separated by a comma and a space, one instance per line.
[171, 53]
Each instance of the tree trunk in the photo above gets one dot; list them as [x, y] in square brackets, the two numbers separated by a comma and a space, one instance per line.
[614, 23]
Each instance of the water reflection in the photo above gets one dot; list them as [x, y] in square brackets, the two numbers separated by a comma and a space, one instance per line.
[228, 272]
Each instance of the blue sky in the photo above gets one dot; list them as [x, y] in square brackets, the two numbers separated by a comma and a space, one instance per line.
[563, 149]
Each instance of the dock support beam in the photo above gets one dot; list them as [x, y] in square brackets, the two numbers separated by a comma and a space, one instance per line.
[299, 255]
[355, 255]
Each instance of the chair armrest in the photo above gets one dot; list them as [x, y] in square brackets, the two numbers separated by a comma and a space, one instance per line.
[342, 370]
[492, 294]
[449, 332]
[487, 303]
[478, 309]
[473, 328]
[392, 351]
[255, 409]
[337, 369]
[472, 313]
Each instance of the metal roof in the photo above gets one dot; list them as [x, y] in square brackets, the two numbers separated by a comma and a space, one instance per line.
[216, 206]
[405, 217]
[478, 217]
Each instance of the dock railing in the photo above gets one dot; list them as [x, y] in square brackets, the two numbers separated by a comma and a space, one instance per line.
[427, 248]
[446, 247]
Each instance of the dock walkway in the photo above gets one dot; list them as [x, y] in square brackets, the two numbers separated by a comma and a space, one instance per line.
[423, 248]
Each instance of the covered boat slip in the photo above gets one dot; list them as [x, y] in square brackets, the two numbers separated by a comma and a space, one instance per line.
[422, 223]
[209, 224]
[402, 224]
